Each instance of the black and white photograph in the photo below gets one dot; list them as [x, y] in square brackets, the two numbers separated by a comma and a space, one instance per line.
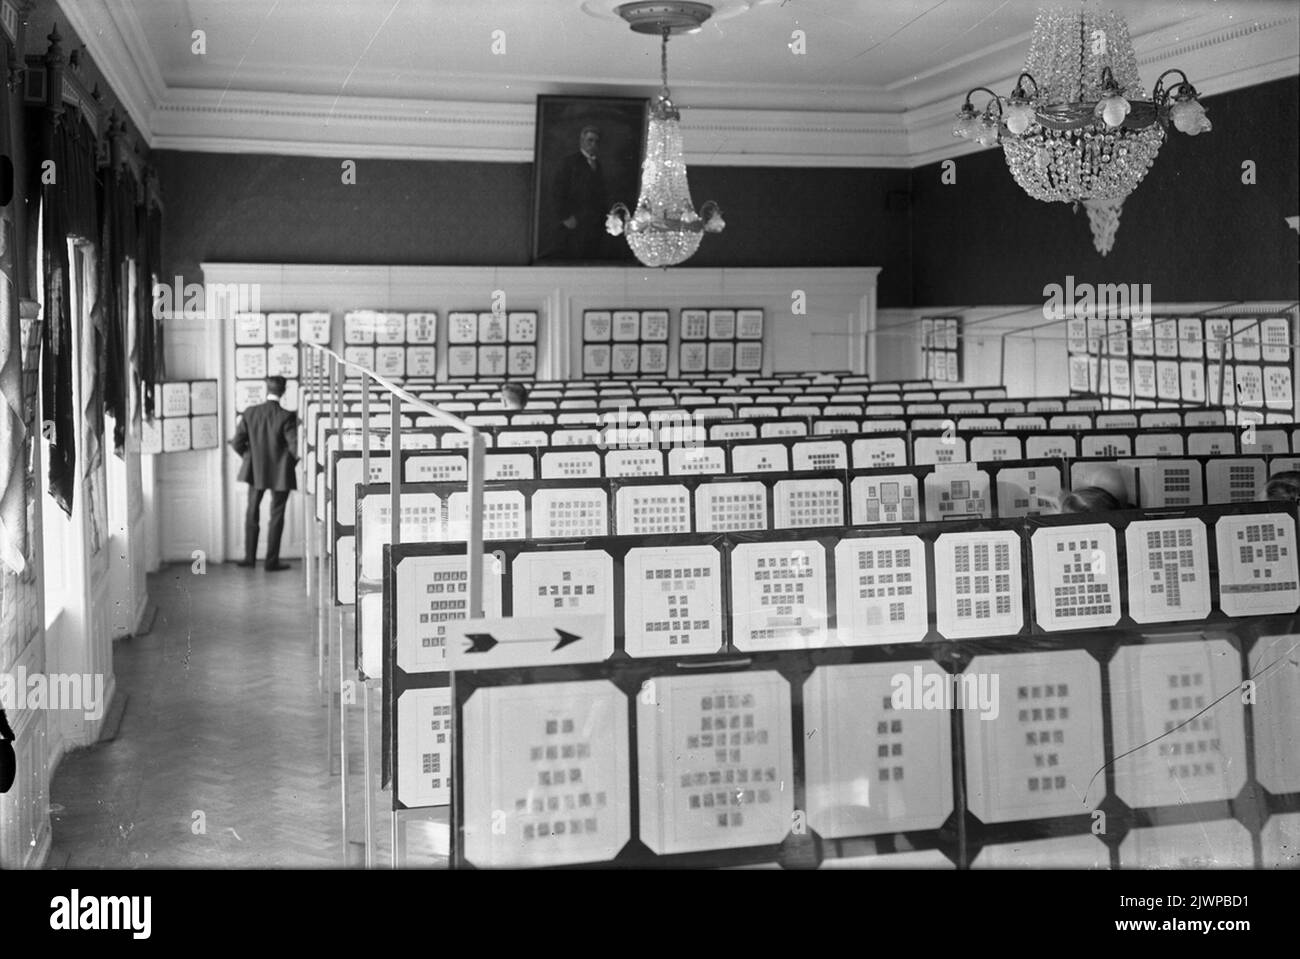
[795, 436]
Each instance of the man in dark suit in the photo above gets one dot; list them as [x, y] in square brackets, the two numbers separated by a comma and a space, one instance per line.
[582, 200]
[267, 438]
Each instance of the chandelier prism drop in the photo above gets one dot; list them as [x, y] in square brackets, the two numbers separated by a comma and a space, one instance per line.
[1075, 128]
[665, 229]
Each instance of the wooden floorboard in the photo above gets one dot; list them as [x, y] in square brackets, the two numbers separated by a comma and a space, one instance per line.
[223, 718]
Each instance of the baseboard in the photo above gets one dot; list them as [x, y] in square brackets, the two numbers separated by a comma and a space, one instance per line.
[113, 718]
[57, 859]
[40, 856]
[145, 625]
[141, 613]
[56, 757]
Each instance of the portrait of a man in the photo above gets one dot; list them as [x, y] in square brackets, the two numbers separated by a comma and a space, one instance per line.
[587, 157]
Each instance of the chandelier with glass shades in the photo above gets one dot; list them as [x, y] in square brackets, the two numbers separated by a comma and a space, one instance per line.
[1075, 128]
[665, 229]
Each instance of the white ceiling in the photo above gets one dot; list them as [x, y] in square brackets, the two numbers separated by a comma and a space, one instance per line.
[885, 62]
[441, 49]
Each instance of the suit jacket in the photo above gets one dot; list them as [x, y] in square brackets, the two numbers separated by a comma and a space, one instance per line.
[580, 192]
[267, 436]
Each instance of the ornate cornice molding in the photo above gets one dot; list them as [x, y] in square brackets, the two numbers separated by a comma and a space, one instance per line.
[834, 130]
[116, 43]
[503, 132]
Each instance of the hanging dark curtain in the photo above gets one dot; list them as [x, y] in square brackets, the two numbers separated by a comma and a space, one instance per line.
[117, 246]
[69, 210]
[153, 270]
[148, 348]
[60, 425]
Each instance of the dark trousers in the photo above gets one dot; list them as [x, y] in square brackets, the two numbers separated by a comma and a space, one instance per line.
[279, 497]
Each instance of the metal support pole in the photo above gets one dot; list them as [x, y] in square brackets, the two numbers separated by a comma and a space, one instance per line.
[395, 537]
[344, 669]
[304, 396]
[473, 557]
[336, 420]
[474, 577]
[368, 776]
[365, 431]
[1132, 380]
[1223, 352]
[343, 745]
[395, 472]
[326, 553]
[328, 693]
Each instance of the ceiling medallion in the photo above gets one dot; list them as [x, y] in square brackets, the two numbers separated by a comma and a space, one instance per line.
[670, 17]
[719, 11]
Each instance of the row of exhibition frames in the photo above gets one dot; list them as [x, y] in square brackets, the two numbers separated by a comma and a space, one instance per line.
[786, 381]
[689, 450]
[670, 451]
[1115, 649]
[424, 463]
[650, 409]
[681, 426]
[468, 397]
[571, 510]
[531, 509]
[649, 412]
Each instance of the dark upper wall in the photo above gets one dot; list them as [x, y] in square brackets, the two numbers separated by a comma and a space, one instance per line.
[244, 207]
[1191, 228]
[250, 207]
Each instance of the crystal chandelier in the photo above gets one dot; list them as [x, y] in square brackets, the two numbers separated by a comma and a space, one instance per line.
[1073, 135]
[665, 229]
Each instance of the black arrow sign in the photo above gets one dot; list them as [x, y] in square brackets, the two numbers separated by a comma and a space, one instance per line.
[483, 642]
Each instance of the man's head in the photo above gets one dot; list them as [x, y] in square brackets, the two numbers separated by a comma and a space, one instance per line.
[1089, 499]
[514, 396]
[1108, 478]
[1283, 487]
[275, 386]
[589, 140]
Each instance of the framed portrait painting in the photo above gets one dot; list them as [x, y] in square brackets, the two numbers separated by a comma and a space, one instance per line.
[586, 158]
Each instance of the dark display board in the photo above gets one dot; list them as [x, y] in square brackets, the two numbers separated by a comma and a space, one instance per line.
[721, 341]
[394, 345]
[941, 348]
[625, 342]
[636, 342]
[1240, 362]
[268, 344]
[497, 344]
[185, 418]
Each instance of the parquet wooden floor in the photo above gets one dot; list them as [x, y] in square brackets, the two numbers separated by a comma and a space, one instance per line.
[223, 718]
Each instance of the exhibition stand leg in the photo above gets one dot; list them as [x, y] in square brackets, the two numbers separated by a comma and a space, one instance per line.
[334, 691]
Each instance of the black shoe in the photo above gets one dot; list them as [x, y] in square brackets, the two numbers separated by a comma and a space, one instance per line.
[276, 567]
[247, 563]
